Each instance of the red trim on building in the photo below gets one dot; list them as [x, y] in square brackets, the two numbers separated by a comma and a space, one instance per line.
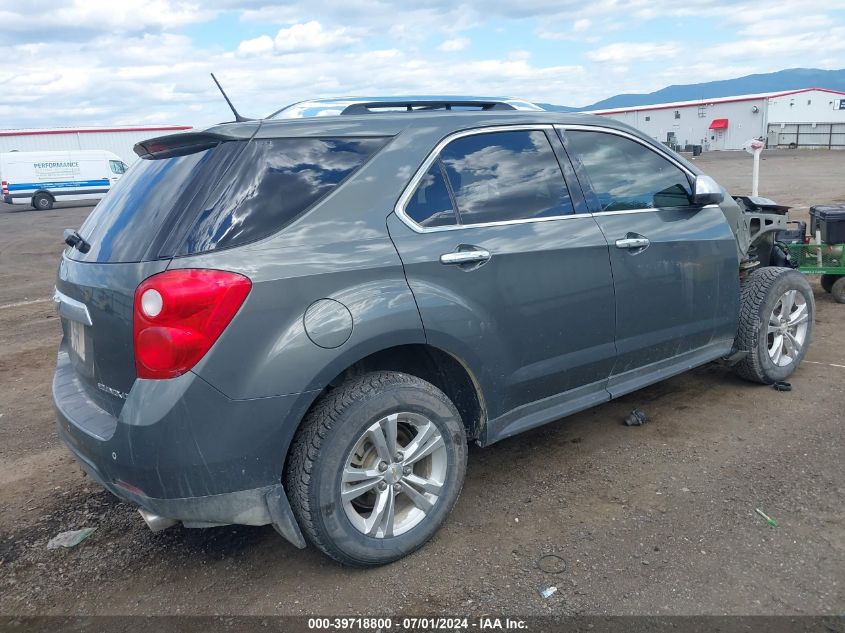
[712, 101]
[94, 130]
[719, 124]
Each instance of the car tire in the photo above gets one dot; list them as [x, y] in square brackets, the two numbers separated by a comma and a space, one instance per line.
[344, 445]
[42, 201]
[827, 281]
[837, 290]
[777, 311]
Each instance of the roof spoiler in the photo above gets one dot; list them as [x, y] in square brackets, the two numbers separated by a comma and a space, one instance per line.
[178, 144]
[425, 104]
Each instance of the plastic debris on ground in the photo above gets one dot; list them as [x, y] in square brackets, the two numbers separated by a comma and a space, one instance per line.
[782, 386]
[71, 538]
[769, 519]
[637, 417]
[548, 591]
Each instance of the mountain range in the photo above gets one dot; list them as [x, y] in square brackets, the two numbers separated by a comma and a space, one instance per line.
[790, 79]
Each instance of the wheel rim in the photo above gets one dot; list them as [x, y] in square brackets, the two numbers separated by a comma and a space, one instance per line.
[394, 476]
[787, 330]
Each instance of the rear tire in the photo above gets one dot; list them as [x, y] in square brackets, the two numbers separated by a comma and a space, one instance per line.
[827, 281]
[42, 201]
[777, 311]
[376, 467]
[837, 290]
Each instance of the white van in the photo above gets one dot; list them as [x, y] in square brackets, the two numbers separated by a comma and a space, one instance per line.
[43, 178]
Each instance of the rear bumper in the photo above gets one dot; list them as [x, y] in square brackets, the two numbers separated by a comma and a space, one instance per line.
[7, 199]
[180, 449]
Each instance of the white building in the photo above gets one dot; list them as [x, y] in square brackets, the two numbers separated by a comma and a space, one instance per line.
[812, 117]
[119, 140]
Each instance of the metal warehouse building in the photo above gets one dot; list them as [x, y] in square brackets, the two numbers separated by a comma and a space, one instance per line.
[812, 118]
[118, 140]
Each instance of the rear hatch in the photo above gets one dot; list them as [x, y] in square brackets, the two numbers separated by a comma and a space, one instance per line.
[128, 233]
[189, 193]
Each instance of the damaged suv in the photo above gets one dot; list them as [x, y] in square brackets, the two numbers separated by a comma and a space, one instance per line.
[303, 321]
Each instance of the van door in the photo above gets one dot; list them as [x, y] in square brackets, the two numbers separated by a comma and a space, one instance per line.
[508, 275]
[674, 265]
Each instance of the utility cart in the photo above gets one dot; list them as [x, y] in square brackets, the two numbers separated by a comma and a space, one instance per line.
[822, 252]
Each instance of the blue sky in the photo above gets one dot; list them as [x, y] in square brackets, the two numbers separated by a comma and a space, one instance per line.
[97, 62]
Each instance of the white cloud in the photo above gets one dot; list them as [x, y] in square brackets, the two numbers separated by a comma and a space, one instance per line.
[454, 45]
[622, 52]
[256, 46]
[93, 62]
[311, 36]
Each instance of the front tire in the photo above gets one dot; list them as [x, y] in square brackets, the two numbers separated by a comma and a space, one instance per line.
[777, 311]
[376, 467]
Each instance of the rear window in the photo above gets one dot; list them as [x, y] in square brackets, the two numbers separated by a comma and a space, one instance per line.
[224, 196]
[271, 184]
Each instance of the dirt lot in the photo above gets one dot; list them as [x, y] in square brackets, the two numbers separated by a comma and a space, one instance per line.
[651, 520]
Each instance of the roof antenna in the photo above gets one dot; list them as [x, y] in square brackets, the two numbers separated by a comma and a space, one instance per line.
[238, 117]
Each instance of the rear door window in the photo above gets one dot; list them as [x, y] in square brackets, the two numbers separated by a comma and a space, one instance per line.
[501, 176]
[431, 204]
[626, 175]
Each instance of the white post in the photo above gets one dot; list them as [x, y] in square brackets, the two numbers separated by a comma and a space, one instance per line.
[755, 174]
[755, 148]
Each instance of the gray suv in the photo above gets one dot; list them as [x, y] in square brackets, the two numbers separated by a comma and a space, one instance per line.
[303, 320]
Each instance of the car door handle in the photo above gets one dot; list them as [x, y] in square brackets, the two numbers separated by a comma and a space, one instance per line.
[633, 242]
[471, 256]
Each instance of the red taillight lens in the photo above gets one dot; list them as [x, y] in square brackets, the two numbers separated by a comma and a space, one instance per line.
[178, 316]
[4, 187]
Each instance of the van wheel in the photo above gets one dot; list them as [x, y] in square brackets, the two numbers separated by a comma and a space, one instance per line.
[42, 201]
[376, 467]
[777, 311]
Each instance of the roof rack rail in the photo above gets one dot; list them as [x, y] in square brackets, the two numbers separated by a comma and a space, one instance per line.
[423, 105]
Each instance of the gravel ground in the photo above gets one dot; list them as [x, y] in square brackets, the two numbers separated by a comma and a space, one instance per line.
[657, 519]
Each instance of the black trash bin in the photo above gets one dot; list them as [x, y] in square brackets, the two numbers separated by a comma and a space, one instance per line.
[830, 220]
[696, 150]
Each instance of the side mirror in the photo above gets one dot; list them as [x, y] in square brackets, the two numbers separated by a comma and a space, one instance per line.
[706, 191]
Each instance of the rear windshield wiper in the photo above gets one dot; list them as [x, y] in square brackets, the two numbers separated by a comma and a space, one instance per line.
[75, 240]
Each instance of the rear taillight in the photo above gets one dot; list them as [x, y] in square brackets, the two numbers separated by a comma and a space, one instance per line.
[179, 314]
[4, 188]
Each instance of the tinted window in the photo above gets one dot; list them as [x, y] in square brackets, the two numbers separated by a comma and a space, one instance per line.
[271, 183]
[125, 224]
[505, 176]
[431, 205]
[627, 175]
[218, 197]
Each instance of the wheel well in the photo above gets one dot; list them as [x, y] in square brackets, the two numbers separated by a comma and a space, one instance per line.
[44, 192]
[433, 365]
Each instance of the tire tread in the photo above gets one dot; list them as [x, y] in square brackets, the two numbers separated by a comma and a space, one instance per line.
[315, 428]
[753, 294]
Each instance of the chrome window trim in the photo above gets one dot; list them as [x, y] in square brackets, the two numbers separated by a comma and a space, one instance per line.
[411, 187]
[633, 137]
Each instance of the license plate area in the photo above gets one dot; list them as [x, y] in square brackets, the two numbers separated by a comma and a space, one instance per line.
[77, 339]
